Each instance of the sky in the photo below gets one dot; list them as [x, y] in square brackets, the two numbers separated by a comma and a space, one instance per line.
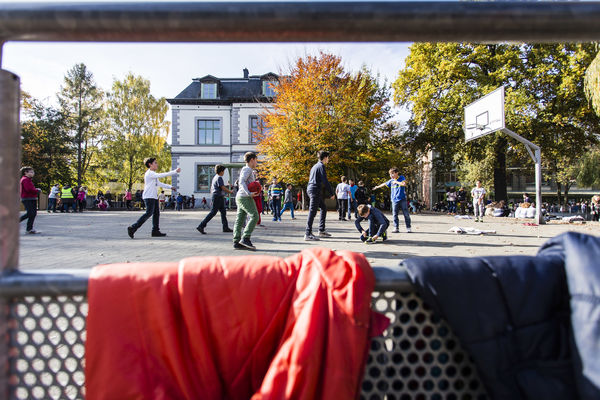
[170, 67]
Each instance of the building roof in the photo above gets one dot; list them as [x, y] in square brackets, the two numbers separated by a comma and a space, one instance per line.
[247, 89]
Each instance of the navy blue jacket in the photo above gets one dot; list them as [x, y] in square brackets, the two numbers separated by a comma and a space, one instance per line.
[531, 324]
[376, 219]
[318, 180]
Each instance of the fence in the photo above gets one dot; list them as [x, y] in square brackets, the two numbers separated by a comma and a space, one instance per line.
[418, 358]
[45, 312]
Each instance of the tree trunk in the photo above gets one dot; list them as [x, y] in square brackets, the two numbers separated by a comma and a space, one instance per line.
[500, 192]
[559, 192]
[566, 198]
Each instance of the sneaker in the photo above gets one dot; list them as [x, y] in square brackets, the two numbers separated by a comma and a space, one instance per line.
[130, 231]
[279, 219]
[275, 219]
[408, 230]
[369, 240]
[227, 229]
[294, 218]
[396, 230]
[384, 236]
[238, 246]
[32, 232]
[158, 234]
[247, 243]
[201, 230]
[344, 219]
[311, 237]
[324, 234]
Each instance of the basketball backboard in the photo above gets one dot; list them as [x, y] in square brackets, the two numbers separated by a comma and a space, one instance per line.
[485, 115]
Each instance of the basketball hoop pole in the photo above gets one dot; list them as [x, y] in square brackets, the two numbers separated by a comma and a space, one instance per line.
[536, 154]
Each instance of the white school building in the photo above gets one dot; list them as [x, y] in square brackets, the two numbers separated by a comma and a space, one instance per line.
[215, 121]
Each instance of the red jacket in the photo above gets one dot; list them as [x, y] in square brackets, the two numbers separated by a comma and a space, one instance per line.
[28, 189]
[257, 327]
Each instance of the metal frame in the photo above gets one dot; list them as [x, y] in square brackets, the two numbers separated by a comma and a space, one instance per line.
[246, 22]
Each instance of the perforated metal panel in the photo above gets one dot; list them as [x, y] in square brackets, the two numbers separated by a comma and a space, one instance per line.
[418, 358]
[46, 350]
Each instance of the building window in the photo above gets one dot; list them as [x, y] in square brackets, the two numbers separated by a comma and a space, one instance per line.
[209, 131]
[269, 88]
[209, 91]
[258, 128]
[203, 177]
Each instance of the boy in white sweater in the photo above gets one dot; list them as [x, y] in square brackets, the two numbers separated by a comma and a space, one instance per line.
[150, 196]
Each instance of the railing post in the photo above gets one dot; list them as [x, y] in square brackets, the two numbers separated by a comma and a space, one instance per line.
[10, 160]
[10, 163]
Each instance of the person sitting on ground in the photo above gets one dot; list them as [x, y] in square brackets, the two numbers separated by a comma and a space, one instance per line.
[102, 204]
[378, 224]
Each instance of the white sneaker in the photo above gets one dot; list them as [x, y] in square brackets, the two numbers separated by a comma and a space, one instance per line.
[324, 234]
[311, 237]
[396, 230]
[408, 230]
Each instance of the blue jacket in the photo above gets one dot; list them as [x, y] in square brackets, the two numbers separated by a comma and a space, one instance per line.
[318, 180]
[377, 221]
[531, 324]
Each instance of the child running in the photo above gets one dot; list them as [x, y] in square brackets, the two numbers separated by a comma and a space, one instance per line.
[246, 205]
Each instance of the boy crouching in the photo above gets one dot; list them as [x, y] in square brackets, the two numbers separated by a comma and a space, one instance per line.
[378, 224]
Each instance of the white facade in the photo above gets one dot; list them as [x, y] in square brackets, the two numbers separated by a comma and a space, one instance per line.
[197, 158]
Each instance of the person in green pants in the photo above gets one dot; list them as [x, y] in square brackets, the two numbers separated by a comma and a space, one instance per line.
[245, 205]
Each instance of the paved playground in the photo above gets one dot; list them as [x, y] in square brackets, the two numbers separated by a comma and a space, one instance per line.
[94, 237]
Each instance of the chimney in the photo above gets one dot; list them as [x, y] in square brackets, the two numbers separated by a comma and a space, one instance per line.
[245, 73]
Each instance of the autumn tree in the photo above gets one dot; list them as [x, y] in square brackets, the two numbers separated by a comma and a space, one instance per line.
[321, 106]
[543, 103]
[137, 130]
[45, 143]
[81, 103]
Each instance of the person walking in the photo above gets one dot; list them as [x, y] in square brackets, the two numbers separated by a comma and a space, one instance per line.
[150, 196]
[397, 185]
[162, 198]
[217, 191]
[29, 196]
[317, 182]
[288, 202]
[53, 197]
[246, 207]
[478, 195]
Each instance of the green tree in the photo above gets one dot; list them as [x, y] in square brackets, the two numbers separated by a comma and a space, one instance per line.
[565, 125]
[588, 173]
[45, 143]
[81, 102]
[544, 102]
[137, 130]
[318, 106]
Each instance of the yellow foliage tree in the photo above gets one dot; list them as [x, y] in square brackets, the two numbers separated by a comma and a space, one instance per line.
[320, 106]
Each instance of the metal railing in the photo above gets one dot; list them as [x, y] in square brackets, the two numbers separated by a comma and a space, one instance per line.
[45, 311]
[417, 357]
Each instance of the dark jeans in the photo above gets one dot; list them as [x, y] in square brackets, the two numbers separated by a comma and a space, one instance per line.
[402, 204]
[81, 204]
[342, 207]
[151, 211]
[276, 208]
[128, 204]
[68, 203]
[316, 202]
[31, 212]
[52, 204]
[352, 207]
[218, 205]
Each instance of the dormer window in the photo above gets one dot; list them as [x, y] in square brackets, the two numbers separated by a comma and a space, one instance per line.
[269, 88]
[209, 90]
